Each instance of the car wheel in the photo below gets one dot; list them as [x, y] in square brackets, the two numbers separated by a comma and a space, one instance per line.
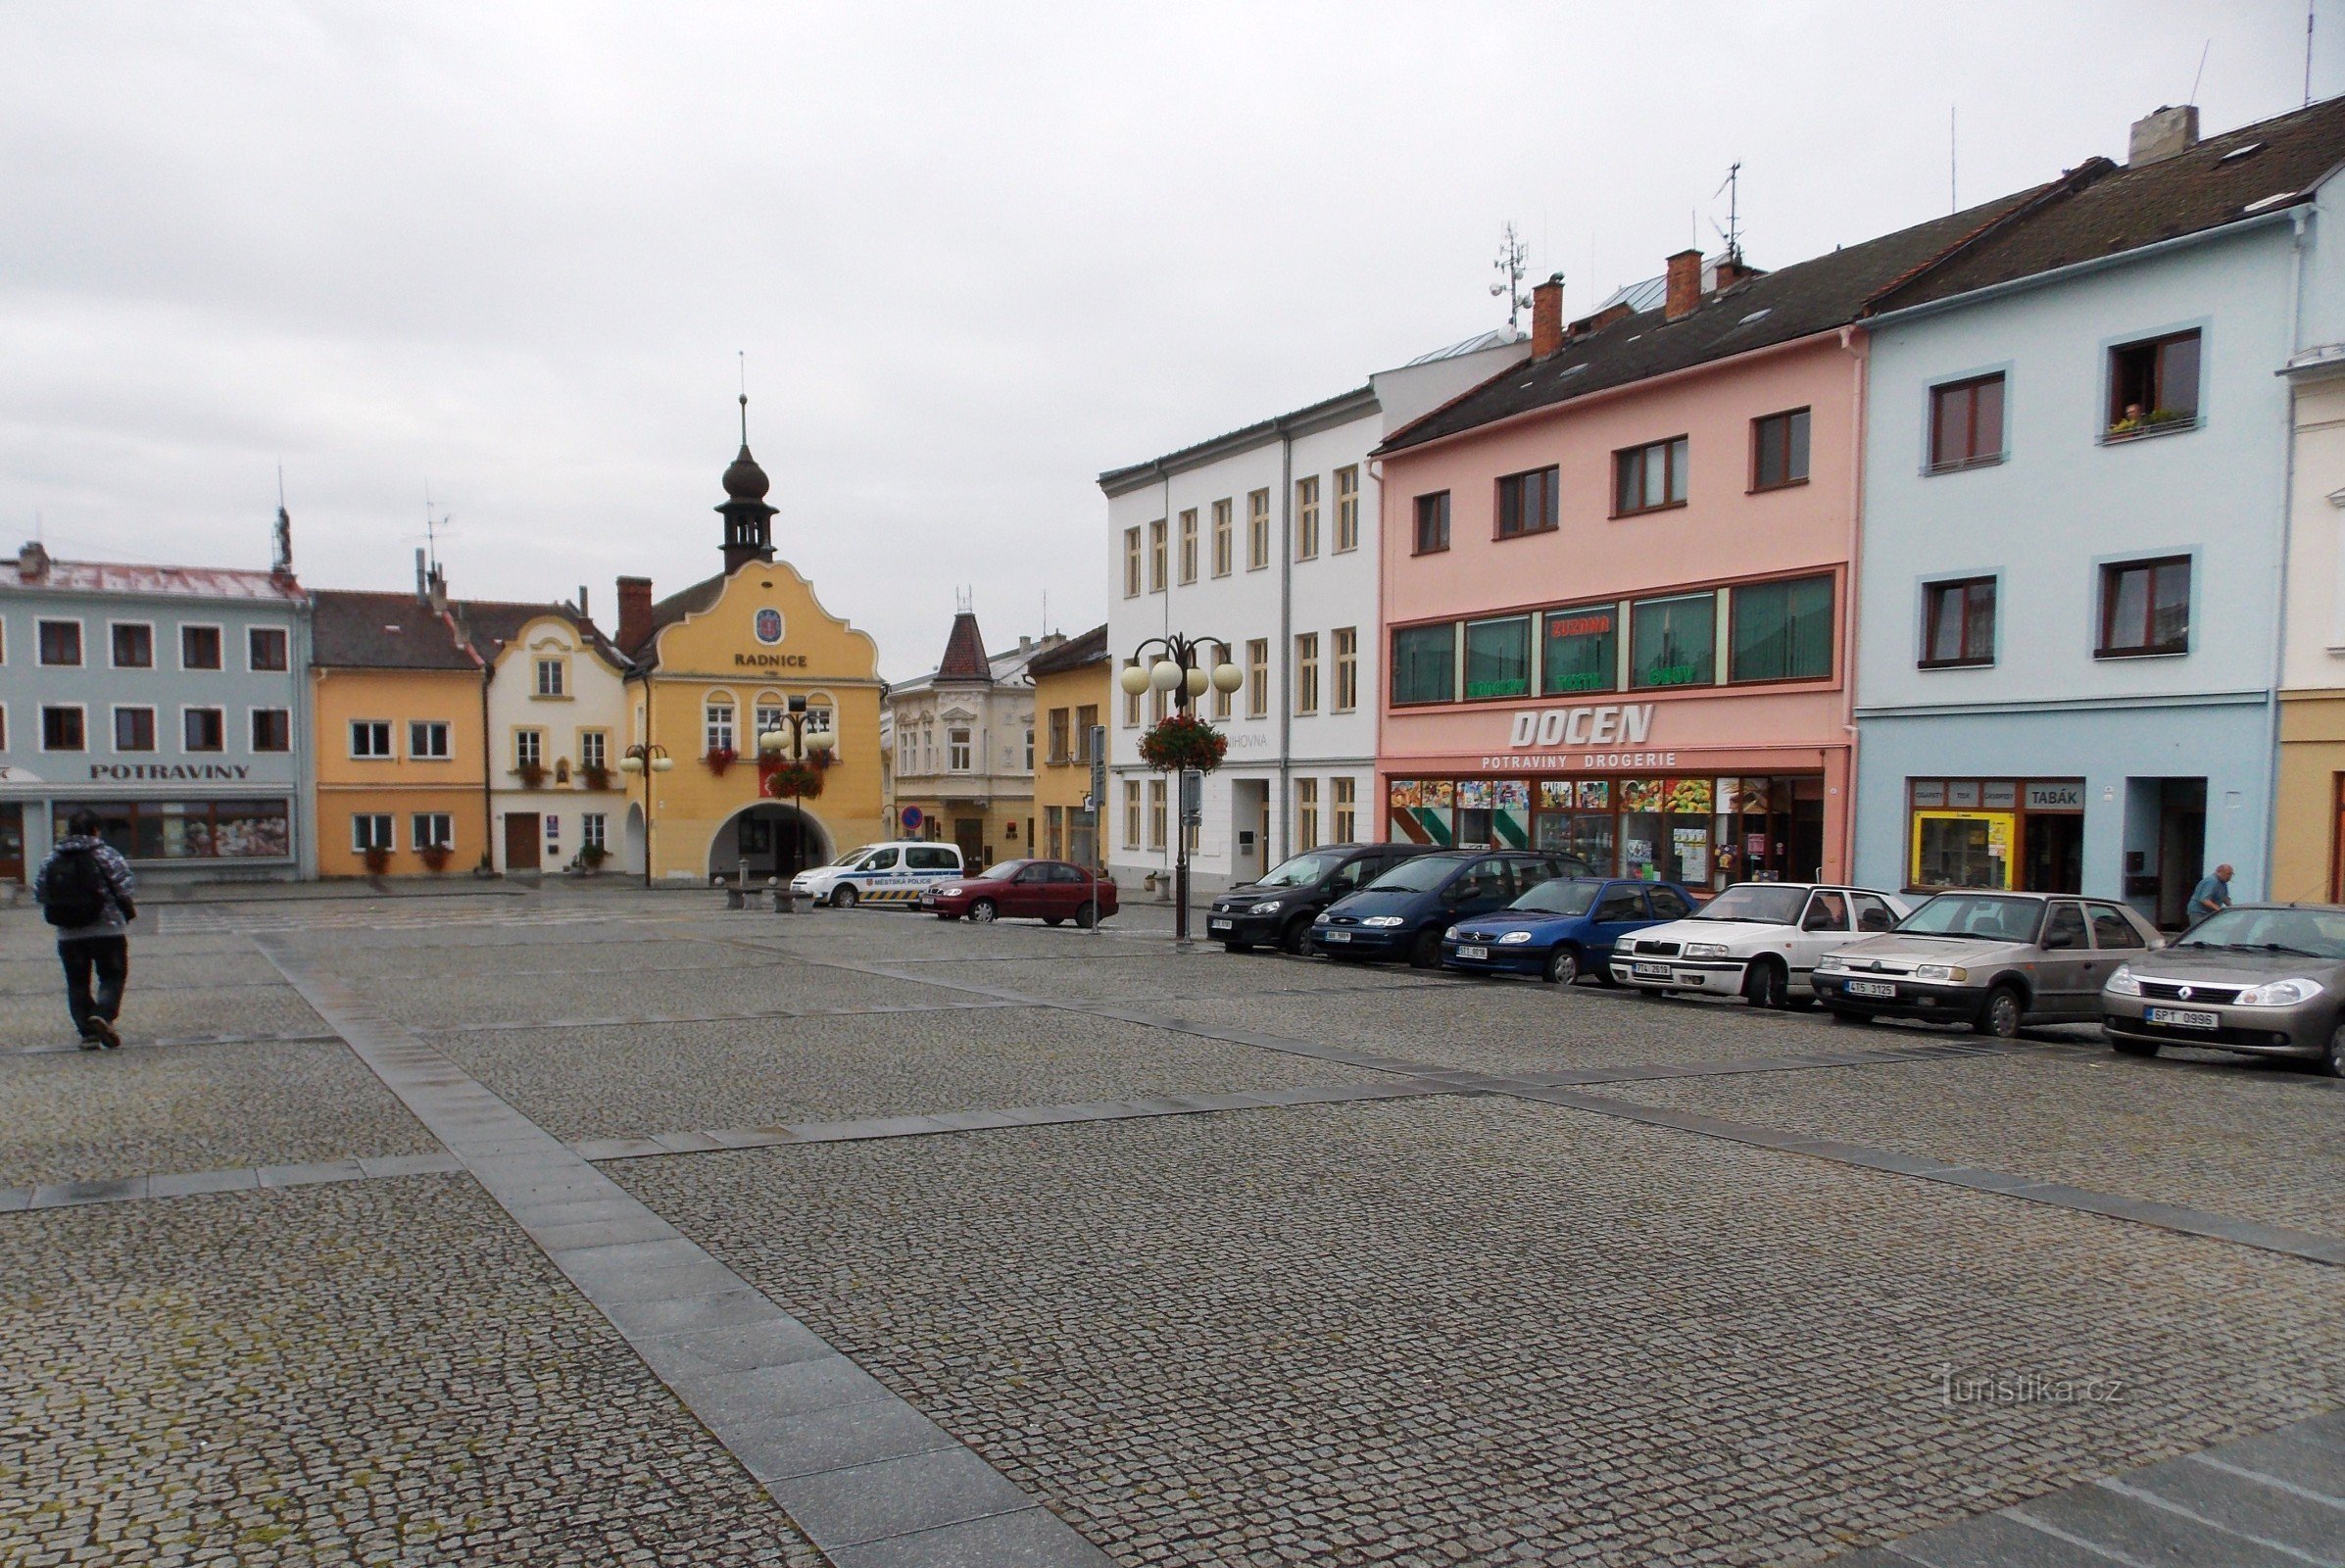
[2001, 1015]
[1837, 1016]
[843, 895]
[2331, 1063]
[1297, 938]
[2133, 1048]
[1563, 966]
[1425, 953]
[1087, 916]
[983, 911]
[1768, 985]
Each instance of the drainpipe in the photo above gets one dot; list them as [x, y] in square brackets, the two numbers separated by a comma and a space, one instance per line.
[1286, 649]
[2280, 622]
[1852, 597]
[488, 814]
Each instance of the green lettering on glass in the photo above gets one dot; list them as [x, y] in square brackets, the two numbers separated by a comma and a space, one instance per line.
[1497, 688]
[1673, 675]
[1588, 682]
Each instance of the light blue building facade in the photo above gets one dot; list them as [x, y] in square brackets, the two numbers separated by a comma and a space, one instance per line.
[2076, 519]
[172, 700]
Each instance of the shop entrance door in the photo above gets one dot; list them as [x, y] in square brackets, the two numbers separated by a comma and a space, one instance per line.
[969, 833]
[12, 842]
[2052, 852]
[521, 836]
[2181, 848]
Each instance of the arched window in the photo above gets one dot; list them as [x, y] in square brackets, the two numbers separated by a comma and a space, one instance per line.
[721, 736]
[822, 717]
[771, 712]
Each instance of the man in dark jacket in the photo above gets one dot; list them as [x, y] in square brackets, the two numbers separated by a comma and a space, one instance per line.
[93, 940]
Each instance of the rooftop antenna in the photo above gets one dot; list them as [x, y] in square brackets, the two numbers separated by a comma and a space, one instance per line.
[1514, 260]
[1953, 171]
[283, 562]
[1733, 232]
[2201, 72]
[744, 356]
[2310, 7]
[433, 527]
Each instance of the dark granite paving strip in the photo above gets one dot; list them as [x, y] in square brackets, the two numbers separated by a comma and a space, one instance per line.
[2275, 1500]
[288, 1038]
[865, 1474]
[964, 1121]
[720, 1015]
[2307, 1245]
[230, 1178]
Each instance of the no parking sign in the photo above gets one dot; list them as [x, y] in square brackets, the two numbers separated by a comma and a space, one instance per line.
[912, 818]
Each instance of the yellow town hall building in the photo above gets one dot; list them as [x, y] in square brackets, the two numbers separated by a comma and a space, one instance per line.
[747, 652]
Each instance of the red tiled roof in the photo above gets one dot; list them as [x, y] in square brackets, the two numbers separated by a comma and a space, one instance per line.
[964, 653]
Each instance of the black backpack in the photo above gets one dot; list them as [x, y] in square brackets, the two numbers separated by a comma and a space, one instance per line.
[73, 893]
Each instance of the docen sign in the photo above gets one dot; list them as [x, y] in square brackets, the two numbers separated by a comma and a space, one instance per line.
[1581, 736]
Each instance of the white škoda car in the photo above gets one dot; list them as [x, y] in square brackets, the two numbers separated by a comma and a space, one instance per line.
[1758, 940]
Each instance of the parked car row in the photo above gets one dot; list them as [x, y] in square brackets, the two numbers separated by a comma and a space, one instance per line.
[2265, 980]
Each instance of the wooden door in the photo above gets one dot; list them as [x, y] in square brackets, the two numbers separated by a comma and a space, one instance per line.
[522, 836]
[12, 842]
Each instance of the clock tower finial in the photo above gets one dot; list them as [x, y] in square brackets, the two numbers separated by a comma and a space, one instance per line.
[749, 520]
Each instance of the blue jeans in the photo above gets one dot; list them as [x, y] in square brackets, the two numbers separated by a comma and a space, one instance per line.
[107, 960]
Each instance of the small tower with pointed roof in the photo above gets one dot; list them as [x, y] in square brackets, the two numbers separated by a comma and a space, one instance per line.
[749, 520]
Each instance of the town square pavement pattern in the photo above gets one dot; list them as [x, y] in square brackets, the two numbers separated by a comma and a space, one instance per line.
[593, 1225]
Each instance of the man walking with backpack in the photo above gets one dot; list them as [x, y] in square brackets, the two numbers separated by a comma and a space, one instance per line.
[85, 889]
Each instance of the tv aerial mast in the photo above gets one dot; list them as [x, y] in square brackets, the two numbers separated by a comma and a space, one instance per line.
[1514, 260]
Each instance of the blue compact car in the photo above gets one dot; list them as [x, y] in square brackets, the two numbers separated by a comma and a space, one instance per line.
[1402, 914]
[1563, 929]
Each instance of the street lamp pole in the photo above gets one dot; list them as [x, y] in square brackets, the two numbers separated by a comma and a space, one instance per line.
[793, 741]
[1182, 672]
[646, 757]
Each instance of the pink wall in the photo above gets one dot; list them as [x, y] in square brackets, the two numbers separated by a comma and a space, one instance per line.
[1723, 533]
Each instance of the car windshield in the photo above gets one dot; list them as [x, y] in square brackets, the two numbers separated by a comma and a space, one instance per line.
[1559, 897]
[1764, 902]
[1003, 869]
[854, 855]
[2305, 933]
[1301, 870]
[1984, 915]
[1421, 875]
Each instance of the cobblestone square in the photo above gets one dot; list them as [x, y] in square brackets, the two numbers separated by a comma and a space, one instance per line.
[593, 1225]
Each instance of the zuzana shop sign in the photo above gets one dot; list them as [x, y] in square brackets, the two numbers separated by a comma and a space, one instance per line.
[1547, 730]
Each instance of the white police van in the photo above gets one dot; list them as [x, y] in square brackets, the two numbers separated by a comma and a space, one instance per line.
[879, 873]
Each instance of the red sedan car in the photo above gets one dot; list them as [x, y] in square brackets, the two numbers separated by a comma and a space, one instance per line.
[1053, 890]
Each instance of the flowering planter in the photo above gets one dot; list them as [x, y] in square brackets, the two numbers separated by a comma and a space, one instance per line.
[435, 857]
[377, 860]
[595, 776]
[720, 759]
[1183, 741]
[793, 781]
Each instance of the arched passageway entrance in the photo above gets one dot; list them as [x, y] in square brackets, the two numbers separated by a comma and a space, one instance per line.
[775, 837]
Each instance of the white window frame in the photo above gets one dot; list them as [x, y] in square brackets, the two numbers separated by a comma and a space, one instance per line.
[1306, 816]
[81, 644]
[593, 828]
[594, 747]
[1132, 814]
[721, 733]
[1347, 510]
[1307, 672]
[1344, 810]
[252, 667]
[188, 711]
[557, 667]
[1225, 536]
[1132, 570]
[154, 734]
[114, 625]
[1306, 517]
[447, 749]
[1344, 696]
[419, 840]
[1258, 677]
[77, 750]
[219, 631]
[361, 842]
[960, 749]
[528, 746]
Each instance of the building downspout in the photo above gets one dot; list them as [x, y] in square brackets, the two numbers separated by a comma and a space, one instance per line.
[1853, 597]
[488, 810]
[1286, 650]
[2279, 621]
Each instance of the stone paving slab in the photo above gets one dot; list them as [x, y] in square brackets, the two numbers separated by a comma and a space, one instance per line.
[88, 1114]
[373, 1372]
[483, 996]
[2255, 1146]
[596, 1083]
[149, 1012]
[1475, 1327]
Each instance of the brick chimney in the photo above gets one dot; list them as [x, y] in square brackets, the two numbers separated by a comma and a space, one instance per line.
[33, 562]
[2161, 133]
[1732, 269]
[1685, 285]
[1546, 317]
[634, 614]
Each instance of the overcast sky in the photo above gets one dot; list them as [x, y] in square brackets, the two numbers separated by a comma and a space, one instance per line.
[975, 254]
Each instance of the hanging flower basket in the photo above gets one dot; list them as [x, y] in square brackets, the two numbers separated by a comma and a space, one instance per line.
[377, 859]
[435, 857]
[719, 759]
[1182, 740]
[793, 780]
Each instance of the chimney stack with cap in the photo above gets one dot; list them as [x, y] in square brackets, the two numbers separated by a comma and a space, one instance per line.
[1546, 317]
[33, 562]
[1685, 285]
[2161, 133]
[422, 580]
[634, 614]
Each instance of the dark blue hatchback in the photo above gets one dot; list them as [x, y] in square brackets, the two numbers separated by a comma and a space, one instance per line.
[1402, 914]
[1563, 929]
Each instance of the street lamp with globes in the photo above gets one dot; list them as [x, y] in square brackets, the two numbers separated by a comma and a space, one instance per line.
[792, 741]
[1180, 670]
[646, 757]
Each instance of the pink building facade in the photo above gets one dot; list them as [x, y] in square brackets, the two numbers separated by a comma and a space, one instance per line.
[1617, 622]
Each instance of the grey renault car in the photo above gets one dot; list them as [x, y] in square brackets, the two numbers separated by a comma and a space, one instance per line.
[2260, 979]
[1993, 960]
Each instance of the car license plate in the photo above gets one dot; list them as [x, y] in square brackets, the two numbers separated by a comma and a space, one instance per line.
[2186, 1018]
[1337, 936]
[1872, 988]
[1473, 953]
[1217, 925]
[1657, 971]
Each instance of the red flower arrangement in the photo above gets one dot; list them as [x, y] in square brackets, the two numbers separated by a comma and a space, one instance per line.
[1183, 740]
[800, 780]
[719, 759]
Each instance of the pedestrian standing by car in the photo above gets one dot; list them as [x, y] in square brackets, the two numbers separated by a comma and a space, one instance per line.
[2212, 896]
[84, 890]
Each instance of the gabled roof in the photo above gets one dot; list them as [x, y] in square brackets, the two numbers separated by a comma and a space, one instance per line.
[1088, 648]
[2107, 209]
[1773, 307]
[964, 653]
[492, 623]
[353, 631]
[125, 578]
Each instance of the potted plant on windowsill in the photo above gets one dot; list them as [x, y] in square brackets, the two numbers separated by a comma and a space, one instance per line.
[593, 775]
[435, 857]
[591, 858]
[377, 860]
[533, 774]
[2136, 423]
[719, 759]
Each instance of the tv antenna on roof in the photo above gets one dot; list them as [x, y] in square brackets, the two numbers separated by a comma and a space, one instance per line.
[433, 527]
[1733, 232]
[1514, 260]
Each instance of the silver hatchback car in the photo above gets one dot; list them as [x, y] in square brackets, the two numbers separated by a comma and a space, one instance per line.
[1993, 960]
[2261, 979]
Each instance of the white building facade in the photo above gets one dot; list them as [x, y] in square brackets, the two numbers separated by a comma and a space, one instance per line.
[1263, 542]
[961, 742]
[557, 726]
